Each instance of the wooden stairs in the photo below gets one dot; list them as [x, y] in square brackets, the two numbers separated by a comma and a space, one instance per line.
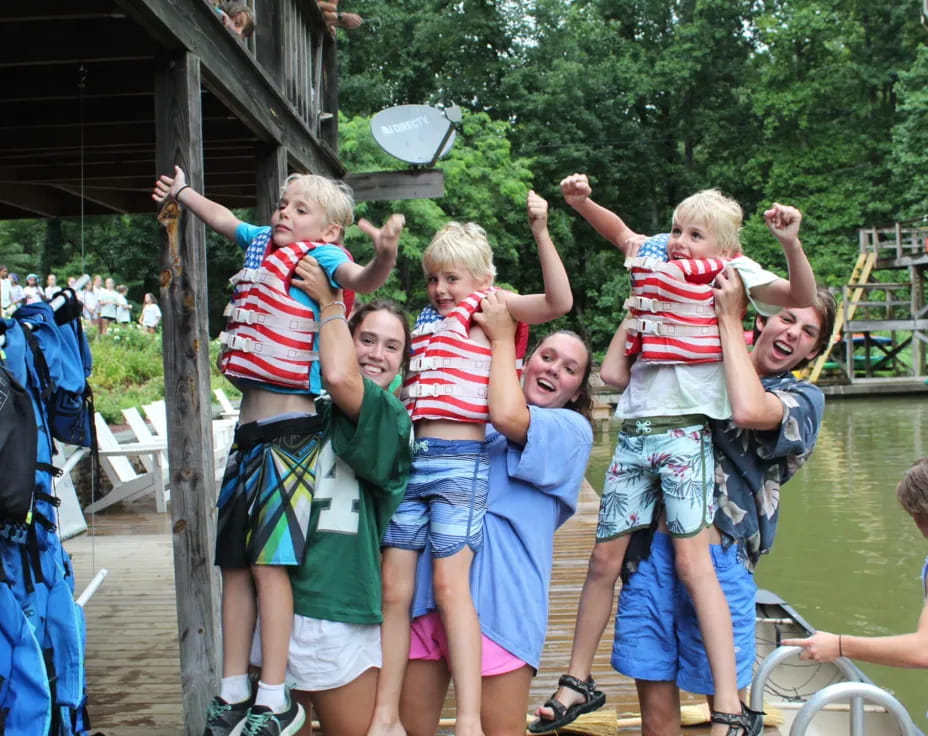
[859, 276]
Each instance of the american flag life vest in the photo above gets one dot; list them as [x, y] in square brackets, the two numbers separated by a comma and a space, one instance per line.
[449, 373]
[674, 318]
[270, 336]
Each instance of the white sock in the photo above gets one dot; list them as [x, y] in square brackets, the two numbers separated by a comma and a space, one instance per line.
[235, 689]
[272, 696]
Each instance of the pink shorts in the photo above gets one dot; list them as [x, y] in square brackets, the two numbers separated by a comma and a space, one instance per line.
[428, 640]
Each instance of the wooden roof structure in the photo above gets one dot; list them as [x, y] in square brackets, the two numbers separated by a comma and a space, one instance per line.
[80, 100]
[102, 96]
[99, 98]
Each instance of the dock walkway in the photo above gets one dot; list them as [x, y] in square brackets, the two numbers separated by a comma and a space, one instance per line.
[133, 671]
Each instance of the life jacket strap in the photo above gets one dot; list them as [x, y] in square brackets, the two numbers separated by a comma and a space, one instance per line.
[265, 350]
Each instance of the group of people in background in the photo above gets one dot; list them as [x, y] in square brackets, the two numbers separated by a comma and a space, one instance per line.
[14, 293]
[104, 303]
[363, 572]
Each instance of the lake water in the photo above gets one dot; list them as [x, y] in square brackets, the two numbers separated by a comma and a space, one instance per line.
[846, 556]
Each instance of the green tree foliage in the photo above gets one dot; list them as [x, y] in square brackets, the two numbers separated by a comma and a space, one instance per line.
[910, 139]
[426, 51]
[816, 103]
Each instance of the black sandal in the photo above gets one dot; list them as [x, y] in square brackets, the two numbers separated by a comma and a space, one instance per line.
[564, 715]
[748, 722]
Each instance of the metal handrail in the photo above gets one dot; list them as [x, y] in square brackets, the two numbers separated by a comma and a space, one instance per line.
[853, 691]
[778, 655]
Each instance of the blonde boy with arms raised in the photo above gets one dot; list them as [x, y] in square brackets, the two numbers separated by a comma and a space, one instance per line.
[264, 501]
[446, 499]
[665, 449]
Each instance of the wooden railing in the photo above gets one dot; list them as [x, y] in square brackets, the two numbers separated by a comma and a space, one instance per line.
[293, 46]
[895, 242]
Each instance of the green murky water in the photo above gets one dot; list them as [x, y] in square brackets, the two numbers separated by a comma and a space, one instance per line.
[846, 556]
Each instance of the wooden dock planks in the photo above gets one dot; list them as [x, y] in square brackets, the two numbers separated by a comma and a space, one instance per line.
[133, 670]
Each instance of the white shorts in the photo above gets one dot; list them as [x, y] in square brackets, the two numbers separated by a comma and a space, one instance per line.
[324, 655]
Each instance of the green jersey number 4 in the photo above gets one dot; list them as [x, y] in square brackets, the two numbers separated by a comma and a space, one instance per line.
[337, 486]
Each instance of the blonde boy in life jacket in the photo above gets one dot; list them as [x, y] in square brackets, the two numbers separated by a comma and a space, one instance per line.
[446, 395]
[664, 454]
[266, 494]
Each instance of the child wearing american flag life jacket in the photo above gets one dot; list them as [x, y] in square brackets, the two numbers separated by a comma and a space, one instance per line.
[664, 455]
[270, 353]
[446, 394]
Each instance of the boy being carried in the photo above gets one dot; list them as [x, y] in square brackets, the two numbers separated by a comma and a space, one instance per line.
[664, 453]
[445, 501]
[270, 353]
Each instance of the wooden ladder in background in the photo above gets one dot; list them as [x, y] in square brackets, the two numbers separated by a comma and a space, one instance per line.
[860, 275]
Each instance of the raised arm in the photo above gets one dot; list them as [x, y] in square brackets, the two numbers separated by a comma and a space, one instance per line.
[338, 359]
[369, 278]
[557, 299]
[902, 650]
[752, 406]
[214, 215]
[577, 191]
[508, 411]
[616, 367]
[783, 221]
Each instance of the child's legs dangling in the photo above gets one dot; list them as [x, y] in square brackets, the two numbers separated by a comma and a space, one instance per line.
[238, 620]
[456, 511]
[627, 503]
[459, 617]
[275, 603]
[687, 483]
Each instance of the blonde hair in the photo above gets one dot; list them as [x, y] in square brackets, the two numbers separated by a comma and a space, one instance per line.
[335, 197]
[912, 490]
[464, 245]
[716, 212]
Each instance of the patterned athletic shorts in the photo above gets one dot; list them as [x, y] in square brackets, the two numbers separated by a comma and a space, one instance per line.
[446, 498]
[675, 467]
[267, 492]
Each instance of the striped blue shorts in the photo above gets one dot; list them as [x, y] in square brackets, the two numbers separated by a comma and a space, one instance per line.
[446, 498]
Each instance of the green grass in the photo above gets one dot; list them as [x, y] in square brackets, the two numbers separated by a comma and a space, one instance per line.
[128, 371]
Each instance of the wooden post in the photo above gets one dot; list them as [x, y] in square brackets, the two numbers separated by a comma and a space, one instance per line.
[329, 125]
[272, 171]
[186, 387]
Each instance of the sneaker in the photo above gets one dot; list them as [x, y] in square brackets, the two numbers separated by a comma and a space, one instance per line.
[226, 719]
[262, 721]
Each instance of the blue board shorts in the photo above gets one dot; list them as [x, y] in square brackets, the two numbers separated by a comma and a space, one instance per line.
[445, 500]
[657, 635]
[265, 499]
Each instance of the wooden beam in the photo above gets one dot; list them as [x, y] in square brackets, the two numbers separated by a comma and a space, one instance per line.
[390, 185]
[65, 42]
[187, 394]
[37, 200]
[877, 325]
[271, 173]
[120, 202]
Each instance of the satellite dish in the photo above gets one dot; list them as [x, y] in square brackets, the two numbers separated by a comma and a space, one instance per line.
[416, 134]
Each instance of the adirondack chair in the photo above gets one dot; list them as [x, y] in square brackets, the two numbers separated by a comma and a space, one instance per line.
[127, 482]
[223, 433]
[71, 521]
[226, 408]
[143, 434]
